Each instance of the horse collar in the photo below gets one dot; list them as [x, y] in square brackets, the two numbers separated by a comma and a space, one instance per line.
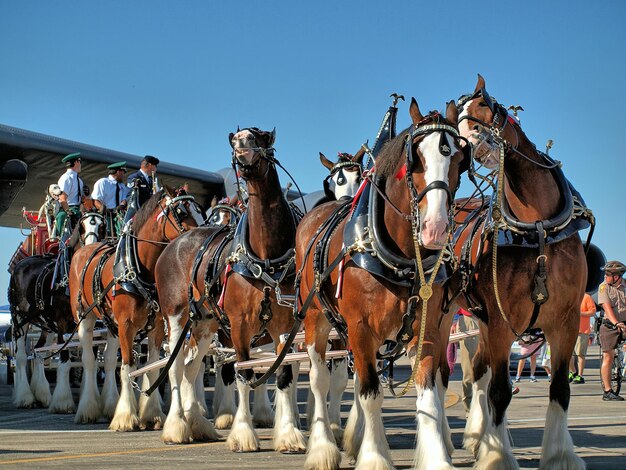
[245, 263]
[365, 243]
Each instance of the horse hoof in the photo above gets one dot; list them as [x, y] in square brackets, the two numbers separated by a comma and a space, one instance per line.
[224, 421]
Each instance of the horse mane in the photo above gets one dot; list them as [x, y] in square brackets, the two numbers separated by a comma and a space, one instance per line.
[392, 151]
[145, 211]
[74, 238]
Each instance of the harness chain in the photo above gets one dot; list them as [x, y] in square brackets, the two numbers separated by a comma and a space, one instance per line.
[425, 290]
[540, 294]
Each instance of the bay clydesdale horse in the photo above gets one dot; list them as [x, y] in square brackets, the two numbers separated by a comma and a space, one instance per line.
[123, 297]
[525, 267]
[35, 300]
[403, 216]
[234, 287]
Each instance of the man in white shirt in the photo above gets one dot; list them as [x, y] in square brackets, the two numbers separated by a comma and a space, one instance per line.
[73, 189]
[110, 197]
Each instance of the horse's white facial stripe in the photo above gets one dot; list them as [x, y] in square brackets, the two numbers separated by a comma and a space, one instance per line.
[436, 169]
[243, 139]
[464, 125]
[91, 226]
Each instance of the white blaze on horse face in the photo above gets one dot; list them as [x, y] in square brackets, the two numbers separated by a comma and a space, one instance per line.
[345, 183]
[243, 142]
[91, 225]
[434, 224]
[484, 152]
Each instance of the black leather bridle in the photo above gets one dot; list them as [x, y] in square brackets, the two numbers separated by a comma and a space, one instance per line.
[177, 206]
[424, 128]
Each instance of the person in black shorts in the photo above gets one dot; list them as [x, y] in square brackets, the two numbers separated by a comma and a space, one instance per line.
[612, 297]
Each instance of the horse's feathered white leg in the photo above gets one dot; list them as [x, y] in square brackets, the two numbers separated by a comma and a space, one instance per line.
[125, 417]
[262, 414]
[495, 448]
[557, 446]
[374, 452]
[22, 394]
[89, 404]
[431, 451]
[353, 434]
[338, 384]
[310, 408]
[62, 399]
[322, 452]
[151, 414]
[445, 426]
[110, 394]
[39, 383]
[201, 428]
[200, 392]
[176, 429]
[224, 407]
[478, 415]
[287, 434]
[242, 437]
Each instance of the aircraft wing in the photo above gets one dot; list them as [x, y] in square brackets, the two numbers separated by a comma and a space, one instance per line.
[30, 162]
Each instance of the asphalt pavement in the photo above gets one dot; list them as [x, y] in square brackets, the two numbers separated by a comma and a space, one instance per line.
[35, 439]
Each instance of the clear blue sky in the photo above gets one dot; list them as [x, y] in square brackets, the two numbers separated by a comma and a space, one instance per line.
[174, 78]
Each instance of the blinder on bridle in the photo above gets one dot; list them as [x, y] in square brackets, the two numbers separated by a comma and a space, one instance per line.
[447, 132]
[178, 206]
[484, 138]
[499, 112]
[338, 169]
[214, 214]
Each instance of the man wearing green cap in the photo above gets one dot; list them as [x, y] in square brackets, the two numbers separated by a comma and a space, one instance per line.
[73, 189]
[110, 196]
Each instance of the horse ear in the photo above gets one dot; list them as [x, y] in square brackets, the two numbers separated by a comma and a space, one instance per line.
[452, 113]
[480, 84]
[358, 157]
[272, 137]
[214, 201]
[230, 138]
[326, 162]
[414, 111]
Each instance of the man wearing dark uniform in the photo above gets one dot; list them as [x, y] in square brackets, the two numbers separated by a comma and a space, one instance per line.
[72, 188]
[142, 183]
[612, 297]
[110, 197]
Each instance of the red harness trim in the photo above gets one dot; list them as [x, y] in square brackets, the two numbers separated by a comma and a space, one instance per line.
[512, 119]
[357, 196]
[220, 302]
[402, 173]
[340, 278]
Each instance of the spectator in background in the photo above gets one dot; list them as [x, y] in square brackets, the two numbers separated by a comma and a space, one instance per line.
[467, 349]
[587, 310]
[612, 297]
[530, 344]
[451, 353]
[546, 360]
